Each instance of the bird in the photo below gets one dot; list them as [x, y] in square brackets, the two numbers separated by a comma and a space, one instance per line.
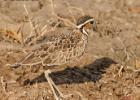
[54, 50]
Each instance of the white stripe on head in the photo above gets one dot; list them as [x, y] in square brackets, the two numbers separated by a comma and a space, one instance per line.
[81, 25]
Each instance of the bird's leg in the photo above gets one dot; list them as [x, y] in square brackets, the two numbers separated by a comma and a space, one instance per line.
[57, 94]
[50, 84]
[120, 71]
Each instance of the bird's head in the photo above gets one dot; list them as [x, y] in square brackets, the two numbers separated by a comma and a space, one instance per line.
[86, 23]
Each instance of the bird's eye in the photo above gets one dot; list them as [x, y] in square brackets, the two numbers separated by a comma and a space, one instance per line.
[91, 22]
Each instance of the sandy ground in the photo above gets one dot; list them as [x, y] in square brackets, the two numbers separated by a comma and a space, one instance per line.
[110, 69]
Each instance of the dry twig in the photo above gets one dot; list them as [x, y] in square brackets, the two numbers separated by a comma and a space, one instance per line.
[4, 85]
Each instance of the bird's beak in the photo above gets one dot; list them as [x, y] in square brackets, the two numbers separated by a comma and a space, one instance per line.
[95, 26]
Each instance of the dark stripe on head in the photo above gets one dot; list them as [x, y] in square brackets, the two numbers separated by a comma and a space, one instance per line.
[83, 19]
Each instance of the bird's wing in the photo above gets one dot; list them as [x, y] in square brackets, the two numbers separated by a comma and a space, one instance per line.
[64, 49]
[57, 50]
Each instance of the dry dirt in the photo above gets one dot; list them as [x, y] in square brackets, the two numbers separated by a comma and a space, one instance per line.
[110, 69]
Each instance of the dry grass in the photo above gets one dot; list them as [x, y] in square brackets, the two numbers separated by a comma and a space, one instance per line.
[117, 82]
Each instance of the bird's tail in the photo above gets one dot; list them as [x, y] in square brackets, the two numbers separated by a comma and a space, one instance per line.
[21, 61]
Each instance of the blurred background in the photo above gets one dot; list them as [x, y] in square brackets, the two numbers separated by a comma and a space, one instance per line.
[108, 71]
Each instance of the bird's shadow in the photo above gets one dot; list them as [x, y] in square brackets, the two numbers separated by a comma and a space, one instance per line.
[92, 72]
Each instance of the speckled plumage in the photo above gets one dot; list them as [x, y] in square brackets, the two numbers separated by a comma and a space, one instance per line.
[57, 48]
[60, 48]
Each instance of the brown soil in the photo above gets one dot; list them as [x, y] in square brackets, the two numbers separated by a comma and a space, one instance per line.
[110, 69]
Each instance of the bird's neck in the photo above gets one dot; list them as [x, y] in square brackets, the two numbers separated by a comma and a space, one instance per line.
[85, 37]
[84, 32]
